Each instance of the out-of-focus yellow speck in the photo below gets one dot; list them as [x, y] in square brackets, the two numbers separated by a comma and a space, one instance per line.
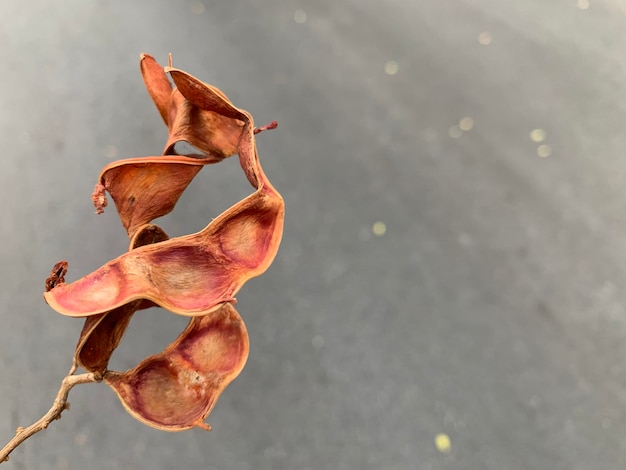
[392, 67]
[485, 38]
[299, 16]
[583, 4]
[442, 441]
[538, 135]
[455, 132]
[197, 8]
[109, 151]
[466, 124]
[379, 228]
[80, 439]
[544, 151]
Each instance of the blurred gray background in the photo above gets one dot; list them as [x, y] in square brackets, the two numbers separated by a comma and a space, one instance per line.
[449, 291]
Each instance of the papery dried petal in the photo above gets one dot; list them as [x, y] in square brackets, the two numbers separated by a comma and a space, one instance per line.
[177, 389]
[102, 333]
[190, 275]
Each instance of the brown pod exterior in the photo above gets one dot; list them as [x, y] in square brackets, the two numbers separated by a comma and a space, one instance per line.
[102, 333]
[194, 274]
[190, 275]
[145, 188]
[177, 389]
[211, 132]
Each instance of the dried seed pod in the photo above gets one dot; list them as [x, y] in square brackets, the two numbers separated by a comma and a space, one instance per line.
[147, 187]
[190, 275]
[194, 274]
[177, 389]
[210, 131]
[100, 336]
[147, 235]
[102, 333]
[206, 97]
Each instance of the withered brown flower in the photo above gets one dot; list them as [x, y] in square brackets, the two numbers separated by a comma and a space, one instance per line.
[195, 275]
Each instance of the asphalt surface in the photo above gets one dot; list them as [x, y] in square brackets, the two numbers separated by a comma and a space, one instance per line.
[448, 294]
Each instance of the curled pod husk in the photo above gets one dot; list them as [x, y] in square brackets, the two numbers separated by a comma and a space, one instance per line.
[102, 333]
[145, 188]
[194, 274]
[177, 389]
[207, 129]
[210, 98]
[190, 275]
[148, 187]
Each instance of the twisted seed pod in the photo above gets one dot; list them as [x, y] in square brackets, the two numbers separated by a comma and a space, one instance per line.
[145, 188]
[190, 275]
[177, 389]
[102, 333]
[208, 129]
[195, 275]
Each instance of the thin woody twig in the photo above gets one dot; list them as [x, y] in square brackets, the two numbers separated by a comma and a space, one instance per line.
[60, 404]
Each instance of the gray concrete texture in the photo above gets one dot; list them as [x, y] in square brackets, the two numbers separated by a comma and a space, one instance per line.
[443, 272]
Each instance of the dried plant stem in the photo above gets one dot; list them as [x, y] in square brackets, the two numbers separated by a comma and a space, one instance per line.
[266, 127]
[60, 404]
